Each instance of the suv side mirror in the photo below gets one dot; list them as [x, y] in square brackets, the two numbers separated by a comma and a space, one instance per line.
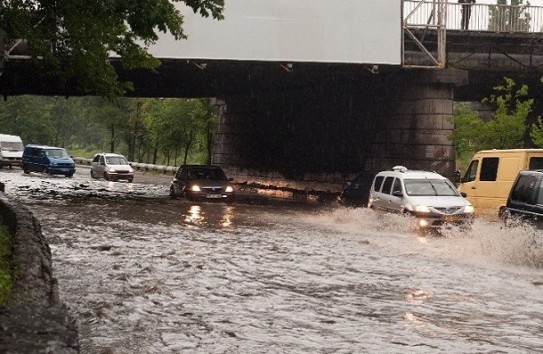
[463, 194]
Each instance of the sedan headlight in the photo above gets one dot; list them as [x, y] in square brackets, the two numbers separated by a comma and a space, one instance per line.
[229, 189]
[468, 209]
[195, 188]
[422, 209]
[111, 170]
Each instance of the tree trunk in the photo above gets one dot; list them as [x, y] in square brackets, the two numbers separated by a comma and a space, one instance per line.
[112, 139]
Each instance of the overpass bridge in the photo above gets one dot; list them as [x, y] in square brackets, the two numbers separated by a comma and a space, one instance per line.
[315, 90]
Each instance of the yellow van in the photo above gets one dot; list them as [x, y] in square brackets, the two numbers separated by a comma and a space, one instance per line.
[491, 174]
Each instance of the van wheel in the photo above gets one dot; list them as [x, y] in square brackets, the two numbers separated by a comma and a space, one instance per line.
[106, 177]
[69, 175]
[45, 170]
[26, 171]
[92, 174]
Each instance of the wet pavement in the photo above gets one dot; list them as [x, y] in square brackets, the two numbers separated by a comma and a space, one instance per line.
[145, 274]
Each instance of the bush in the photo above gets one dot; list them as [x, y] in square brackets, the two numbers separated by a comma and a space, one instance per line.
[5, 263]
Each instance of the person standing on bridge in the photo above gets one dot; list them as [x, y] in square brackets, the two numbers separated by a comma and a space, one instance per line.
[466, 12]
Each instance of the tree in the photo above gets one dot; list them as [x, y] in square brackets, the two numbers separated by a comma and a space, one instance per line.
[509, 17]
[75, 38]
[506, 130]
[537, 133]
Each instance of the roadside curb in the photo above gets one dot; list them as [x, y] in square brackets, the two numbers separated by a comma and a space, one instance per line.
[34, 320]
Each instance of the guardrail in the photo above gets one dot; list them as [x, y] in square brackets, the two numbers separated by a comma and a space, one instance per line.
[484, 17]
[138, 166]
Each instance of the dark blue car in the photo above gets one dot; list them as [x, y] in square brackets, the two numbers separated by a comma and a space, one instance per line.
[47, 159]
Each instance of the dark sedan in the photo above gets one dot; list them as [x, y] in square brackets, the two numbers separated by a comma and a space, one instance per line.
[202, 182]
[357, 192]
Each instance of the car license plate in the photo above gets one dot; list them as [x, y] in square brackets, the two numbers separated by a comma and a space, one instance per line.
[214, 196]
[450, 218]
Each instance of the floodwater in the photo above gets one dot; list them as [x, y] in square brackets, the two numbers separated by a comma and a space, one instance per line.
[144, 274]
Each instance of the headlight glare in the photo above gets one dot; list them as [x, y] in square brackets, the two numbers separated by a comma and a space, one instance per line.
[468, 209]
[195, 188]
[229, 189]
[422, 209]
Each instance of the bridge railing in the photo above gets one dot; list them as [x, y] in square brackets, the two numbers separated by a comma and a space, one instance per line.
[484, 17]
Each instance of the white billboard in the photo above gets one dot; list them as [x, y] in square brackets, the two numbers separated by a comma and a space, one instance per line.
[329, 31]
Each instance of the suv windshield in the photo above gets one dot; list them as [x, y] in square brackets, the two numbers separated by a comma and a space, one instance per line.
[427, 187]
[57, 153]
[12, 146]
[206, 173]
[116, 160]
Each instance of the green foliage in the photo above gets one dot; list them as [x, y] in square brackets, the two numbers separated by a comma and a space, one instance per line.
[506, 130]
[74, 39]
[161, 131]
[5, 265]
[511, 17]
[537, 133]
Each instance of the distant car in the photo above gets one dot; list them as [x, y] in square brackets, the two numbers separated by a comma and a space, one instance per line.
[357, 192]
[428, 196]
[202, 182]
[525, 201]
[47, 159]
[11, 150]
[111, 167]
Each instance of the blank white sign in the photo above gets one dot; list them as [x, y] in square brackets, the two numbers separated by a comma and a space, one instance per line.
[330, 31]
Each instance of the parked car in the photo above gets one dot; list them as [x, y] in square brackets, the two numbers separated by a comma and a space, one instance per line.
[47, 159]
[357, 192]
[525, 201]
[201, 182]
[111, 167]
[11, 150]
[428, 196]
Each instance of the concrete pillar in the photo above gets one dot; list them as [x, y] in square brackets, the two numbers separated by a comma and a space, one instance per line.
[323, 133]
[419, 125]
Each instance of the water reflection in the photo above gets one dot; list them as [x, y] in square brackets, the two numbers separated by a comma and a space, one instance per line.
[209, 215]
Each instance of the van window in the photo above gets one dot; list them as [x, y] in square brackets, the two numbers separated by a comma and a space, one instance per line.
[378, 182]
[536, 163]
[397, 186]
[524, 188]
[471, 173]
[489, 169]
[387, 185]
[37, 152]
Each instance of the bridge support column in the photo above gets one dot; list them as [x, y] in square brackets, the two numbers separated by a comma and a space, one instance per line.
[417, 135]
[320, 134]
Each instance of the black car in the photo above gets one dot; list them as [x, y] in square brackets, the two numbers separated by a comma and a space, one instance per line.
[525, 200]
[357, 192]
[202, 182]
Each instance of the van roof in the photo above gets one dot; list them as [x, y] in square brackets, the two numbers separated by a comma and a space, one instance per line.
[44, 146]
[9, 137]
[404, 173]
[508, 151]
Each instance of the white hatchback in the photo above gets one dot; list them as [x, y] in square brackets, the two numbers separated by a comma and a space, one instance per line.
[112, 167]
[428, 196]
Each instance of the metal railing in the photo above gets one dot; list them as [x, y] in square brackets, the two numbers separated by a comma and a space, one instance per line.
[484, 17]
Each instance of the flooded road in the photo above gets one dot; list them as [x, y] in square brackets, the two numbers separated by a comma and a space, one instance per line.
[145, 274]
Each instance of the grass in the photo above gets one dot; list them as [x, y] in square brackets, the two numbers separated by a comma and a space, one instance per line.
[5, 266]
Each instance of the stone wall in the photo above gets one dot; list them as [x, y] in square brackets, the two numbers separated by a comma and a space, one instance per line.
[324, 133]
[34, 321]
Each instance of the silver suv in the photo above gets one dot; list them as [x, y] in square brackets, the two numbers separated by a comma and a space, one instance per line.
[112, 167]
[428, 196]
